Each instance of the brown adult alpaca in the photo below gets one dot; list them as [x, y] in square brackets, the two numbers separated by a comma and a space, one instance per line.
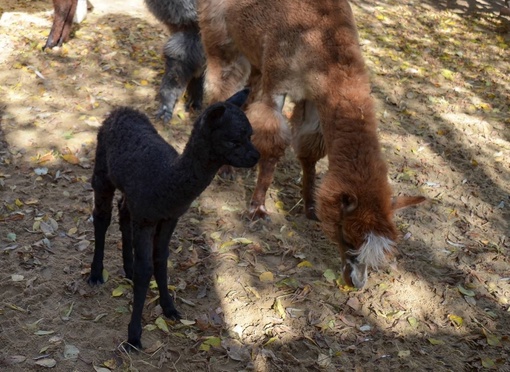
[309, 49]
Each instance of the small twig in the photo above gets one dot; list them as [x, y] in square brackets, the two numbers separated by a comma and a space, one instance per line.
[295, 205]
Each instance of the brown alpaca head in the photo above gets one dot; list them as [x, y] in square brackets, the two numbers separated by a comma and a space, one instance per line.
[363, 228]
[367, 235]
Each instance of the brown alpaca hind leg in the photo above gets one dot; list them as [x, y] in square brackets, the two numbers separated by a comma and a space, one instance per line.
[308, 144]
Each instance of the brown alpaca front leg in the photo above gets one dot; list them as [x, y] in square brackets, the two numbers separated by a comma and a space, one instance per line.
[264, 179]
[271, 136]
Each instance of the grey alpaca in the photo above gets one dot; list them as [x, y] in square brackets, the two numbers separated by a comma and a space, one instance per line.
[184, 55]
[158, 185]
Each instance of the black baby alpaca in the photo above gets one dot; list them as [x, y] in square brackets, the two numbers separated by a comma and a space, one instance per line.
[158, 185]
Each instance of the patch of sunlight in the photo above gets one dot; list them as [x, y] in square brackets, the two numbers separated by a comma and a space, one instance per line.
[13, 18]
[242, 318]
[16, 96]
[474, 125]
[6, 46]
[411, 292]
[25, 138]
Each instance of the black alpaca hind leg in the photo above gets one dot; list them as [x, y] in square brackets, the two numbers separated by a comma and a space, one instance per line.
[160, 255]
[142, 273]
[102, 215]
[127, 238]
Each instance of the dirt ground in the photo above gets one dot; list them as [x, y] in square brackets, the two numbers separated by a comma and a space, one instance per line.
[258, 295]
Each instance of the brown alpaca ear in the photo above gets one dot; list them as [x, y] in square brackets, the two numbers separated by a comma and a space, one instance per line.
[400, 202]
[349, 202]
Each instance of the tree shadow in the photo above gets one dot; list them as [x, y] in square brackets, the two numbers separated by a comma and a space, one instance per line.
[467, 7]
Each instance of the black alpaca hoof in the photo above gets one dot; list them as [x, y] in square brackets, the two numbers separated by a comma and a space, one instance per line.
[172, 314]
[128, 274]
[133, 346]
[169, 309]
[94, 280]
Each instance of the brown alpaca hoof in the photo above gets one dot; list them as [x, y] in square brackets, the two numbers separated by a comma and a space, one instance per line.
[226, 172]
[311, 215]
[259, 212]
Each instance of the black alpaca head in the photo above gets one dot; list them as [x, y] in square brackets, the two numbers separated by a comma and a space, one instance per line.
[228, 131]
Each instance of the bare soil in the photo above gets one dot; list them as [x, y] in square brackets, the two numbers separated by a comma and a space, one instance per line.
[259, 295]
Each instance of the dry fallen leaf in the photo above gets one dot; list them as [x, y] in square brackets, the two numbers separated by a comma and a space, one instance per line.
[266, 277]
[161, 324]
[15, 359]
[278, 306]
[47, 362]
[456, 320]
[435, 341]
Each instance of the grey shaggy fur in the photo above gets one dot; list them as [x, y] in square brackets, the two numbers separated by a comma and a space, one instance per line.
[184, 55]
[174, 12]
[158, 185]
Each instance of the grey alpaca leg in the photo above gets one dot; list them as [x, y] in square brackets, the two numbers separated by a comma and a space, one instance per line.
[102, 215]
[184, 61]
[127, 238]
[164, 232]
[142, 273]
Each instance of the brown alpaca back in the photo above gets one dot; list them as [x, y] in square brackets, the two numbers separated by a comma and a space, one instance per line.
[292, 53]
[309, 50]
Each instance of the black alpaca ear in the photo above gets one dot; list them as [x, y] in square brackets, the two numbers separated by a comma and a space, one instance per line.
[239, 98]
[215, 113]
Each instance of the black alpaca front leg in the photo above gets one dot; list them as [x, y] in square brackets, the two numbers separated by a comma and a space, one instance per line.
[164, 232]
[102, 216]
[127, 237]
[143, 268]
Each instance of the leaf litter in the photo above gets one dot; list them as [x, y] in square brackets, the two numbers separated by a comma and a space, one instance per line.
[273, 291]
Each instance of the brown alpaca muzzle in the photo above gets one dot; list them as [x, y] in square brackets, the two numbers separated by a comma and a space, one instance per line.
[373, 252]
[354, 273]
